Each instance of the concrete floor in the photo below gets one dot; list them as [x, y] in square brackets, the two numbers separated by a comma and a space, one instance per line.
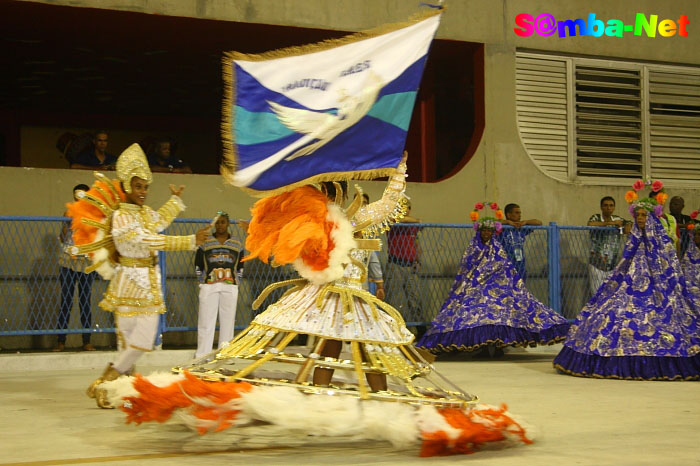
[47, 419]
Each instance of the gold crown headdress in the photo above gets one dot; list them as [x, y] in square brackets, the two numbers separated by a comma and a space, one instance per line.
[133, 163]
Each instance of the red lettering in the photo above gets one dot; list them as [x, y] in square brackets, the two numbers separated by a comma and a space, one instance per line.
[527, 28]
[682, 22]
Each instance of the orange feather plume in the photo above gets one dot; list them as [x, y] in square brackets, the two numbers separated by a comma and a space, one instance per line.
[476, 428]
[85, 234]
[289, 226]
[158, 403]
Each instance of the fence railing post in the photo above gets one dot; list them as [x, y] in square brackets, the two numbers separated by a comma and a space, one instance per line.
[161, 317]
[554, 259]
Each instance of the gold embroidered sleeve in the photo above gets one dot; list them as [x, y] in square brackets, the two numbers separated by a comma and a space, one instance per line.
[378, 216]
[166, 214]
[170, 243]
[130, 236]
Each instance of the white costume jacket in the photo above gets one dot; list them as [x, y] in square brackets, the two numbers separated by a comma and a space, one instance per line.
[135, 288]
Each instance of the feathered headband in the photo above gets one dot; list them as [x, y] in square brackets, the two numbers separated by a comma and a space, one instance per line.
[487, 222]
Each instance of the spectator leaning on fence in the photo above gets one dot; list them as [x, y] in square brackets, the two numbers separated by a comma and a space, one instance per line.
[605, 250]
[513, 239]
[72, 274]
[403, 263]
[134, 293]
[217, 265]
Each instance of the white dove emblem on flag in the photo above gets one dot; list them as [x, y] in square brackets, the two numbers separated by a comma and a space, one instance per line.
[326, 126]
[319, 126]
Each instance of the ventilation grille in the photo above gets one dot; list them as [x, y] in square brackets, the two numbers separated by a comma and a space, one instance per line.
[608, 120]
[541, 86]
[674, 125]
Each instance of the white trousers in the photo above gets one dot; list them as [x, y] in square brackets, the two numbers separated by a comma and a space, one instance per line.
[596, 277]
[221, 299]
[135, 334]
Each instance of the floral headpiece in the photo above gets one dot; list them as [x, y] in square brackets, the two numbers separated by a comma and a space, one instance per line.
[694, 216]
[652, 204]
[486, 222]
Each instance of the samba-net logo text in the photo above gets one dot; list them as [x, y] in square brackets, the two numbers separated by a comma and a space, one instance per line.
[546, 24]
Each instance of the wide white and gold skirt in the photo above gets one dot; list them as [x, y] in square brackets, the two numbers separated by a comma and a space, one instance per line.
[375, 338]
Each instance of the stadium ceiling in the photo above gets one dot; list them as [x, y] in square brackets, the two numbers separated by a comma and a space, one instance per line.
[58, 59]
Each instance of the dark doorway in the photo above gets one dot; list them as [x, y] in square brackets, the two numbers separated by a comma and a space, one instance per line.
[97, 68]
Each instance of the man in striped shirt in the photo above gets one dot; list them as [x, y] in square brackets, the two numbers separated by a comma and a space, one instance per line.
[606, 244]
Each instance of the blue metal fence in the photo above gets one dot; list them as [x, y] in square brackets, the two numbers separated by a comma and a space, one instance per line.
[557, 270]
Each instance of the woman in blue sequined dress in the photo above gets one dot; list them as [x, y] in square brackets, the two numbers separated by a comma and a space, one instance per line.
[488, 305]
[642, 324]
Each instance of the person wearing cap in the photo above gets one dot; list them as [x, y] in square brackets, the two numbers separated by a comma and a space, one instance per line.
[217, 265]
[72, 274]
[128, 256]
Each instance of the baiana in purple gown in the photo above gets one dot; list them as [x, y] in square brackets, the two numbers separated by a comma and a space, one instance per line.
[642, 324]
[691, 269]
[489, 304]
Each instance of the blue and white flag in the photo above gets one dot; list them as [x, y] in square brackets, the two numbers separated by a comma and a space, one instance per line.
[335, 110]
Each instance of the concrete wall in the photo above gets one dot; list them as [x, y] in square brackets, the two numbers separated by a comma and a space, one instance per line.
[485, 21]
[500, 169]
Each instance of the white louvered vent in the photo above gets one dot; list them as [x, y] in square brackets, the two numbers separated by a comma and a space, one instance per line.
[540, 89]
[674, 125]
[608, 119]
[597, 121]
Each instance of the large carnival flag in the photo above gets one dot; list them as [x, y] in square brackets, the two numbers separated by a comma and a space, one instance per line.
[334, 110]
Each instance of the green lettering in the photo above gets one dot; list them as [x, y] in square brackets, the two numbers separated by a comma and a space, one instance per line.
[649, 27]
[614, 28]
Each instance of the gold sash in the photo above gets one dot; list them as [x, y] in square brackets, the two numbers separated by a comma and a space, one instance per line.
[138, 261]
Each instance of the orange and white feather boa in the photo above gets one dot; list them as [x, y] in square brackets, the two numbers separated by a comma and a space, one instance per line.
[291, 415]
